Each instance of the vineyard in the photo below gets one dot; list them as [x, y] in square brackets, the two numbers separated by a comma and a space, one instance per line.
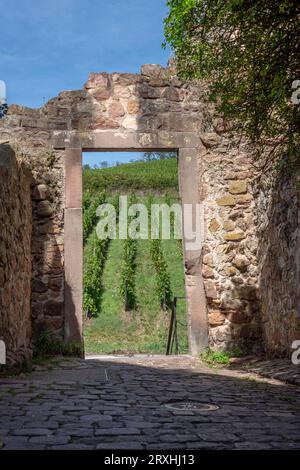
[129, 284]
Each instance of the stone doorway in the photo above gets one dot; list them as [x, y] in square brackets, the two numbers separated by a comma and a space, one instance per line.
[129, 284]
[73, 144]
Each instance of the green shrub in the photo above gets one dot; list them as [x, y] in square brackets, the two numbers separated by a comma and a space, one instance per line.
[215, 357]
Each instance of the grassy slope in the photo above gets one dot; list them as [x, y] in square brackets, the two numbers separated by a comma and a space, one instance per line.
[146, 329]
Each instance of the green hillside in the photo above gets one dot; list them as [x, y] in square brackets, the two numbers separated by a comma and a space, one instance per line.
[156, 174]
[129, 284]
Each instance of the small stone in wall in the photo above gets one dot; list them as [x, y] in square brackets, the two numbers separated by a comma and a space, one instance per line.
[210, 139]
[40, 192]
[237, 280]
[221, 335]
[207, 272]
[241, 262]
[238, 187]
[226, 201]
[105, 123]
[172, 94]
[242, 224]
[208, 259]
[238, 316]
[231, 271]
[116, 110]
[243, 198]
[133, 107]
[130, 122]
[44, 209]
[152, 70]
[214, 225]
[234, 236]
[229, 225]
[98, 85]
[210, 289]
[38, 286]
[245, 292]
[216, 318]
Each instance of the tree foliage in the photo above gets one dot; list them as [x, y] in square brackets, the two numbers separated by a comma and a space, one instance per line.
[249, 52]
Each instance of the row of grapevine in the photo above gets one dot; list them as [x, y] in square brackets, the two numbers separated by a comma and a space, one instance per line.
[128, 266]
[128, 274]
[90, 206]
[163, 284]
[95, 256]
[163, 281]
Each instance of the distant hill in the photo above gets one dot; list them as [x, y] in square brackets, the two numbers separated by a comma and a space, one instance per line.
[159, 175]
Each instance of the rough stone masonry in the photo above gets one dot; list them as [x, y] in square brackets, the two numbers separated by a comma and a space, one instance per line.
[250, 260]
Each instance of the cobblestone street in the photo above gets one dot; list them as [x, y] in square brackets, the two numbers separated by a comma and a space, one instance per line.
[124, 403]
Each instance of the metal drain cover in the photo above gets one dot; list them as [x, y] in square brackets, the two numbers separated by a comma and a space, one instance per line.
[190, 406]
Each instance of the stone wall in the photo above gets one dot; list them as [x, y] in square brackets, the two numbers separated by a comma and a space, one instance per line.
[277, 218]
[243, 223]
[229, 255]
[29, 133]
[15, 257]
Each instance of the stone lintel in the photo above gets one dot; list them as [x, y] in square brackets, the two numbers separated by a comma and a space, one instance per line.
[124, 140]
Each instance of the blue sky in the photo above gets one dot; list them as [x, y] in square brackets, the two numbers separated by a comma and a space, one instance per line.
[92, 158]
[48, 46]
[51, 45]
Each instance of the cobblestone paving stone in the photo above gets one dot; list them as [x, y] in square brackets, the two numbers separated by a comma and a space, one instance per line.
[120, 403]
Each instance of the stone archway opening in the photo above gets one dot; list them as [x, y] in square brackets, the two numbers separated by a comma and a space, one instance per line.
[133, 276]
[73, 145]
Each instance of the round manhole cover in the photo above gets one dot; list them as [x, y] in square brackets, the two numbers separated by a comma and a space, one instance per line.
[190, 406]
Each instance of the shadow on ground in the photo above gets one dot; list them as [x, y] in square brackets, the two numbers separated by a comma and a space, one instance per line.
[123, 403]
